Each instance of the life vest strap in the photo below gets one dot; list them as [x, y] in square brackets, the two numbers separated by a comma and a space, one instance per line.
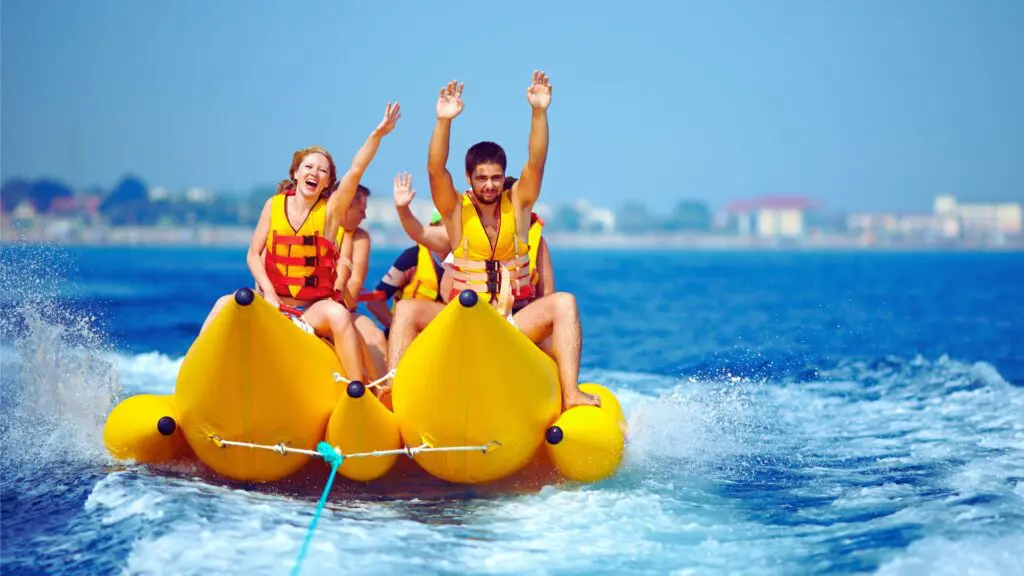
[467, 265]
[304, 240]
[373, 295]
[308, 261]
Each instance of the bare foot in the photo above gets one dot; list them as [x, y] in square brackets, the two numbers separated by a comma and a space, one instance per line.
[579, 398]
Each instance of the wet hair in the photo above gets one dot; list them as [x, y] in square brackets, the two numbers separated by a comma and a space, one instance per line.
[297, 157]
[484, 153]
[509, 181]
[362, 191]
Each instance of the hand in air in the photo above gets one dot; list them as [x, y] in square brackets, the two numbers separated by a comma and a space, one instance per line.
[539, 92]
[449, 103]
[391, 115]
[404, 192]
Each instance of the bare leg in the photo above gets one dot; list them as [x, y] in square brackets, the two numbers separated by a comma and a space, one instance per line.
[375, 341]
[556, 315]
[546, 347]
[215, 310]
[411, 317]
[327, 317]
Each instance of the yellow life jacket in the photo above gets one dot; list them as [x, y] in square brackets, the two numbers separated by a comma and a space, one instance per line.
[536, 227]
[479, 267]
[300, 263]
[423, 284]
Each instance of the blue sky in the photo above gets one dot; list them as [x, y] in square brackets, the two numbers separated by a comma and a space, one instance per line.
[865, 105]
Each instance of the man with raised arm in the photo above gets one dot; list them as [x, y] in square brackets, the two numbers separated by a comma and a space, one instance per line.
[487, 227]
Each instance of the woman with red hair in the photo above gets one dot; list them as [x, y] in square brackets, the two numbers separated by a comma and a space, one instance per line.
[297, 231]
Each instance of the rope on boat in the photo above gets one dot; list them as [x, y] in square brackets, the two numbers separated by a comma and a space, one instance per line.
[374, 384]
[333, 456]
[282, 449]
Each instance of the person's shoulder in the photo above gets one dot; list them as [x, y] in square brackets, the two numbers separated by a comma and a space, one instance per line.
[360, 234]
[408, 258]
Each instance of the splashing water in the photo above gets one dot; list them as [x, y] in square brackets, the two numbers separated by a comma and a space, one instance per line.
[57, 380]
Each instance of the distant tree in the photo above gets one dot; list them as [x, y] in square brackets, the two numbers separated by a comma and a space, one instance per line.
[129, 189]
[128, 203]
[689, 215]
[13, 192]
[252, 205]
[567, 218]
[632, 218]
[45, 191]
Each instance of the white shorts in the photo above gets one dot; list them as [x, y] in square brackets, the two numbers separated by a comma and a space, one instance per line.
[302, 324]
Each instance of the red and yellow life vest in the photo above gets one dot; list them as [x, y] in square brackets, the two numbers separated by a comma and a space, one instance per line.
[479, 267]
[300, 263]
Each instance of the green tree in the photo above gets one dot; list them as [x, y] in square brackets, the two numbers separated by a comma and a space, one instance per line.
[690, 216]
[632, 218]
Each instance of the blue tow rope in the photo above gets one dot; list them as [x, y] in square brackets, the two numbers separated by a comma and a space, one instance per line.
[335, 460]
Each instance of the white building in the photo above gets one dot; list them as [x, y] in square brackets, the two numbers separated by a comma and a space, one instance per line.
[771, 216]
[980, 217]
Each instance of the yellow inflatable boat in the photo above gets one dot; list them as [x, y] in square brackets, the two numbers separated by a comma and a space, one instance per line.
[474, 402]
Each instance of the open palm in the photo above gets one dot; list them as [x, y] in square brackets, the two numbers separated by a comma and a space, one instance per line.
[391, 115]
[539, 92]
[403, 190]
[449, 102]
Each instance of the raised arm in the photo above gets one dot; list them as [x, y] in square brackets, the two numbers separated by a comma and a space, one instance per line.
[344, 267]
[434, 238]
[342, 197]
[254, 257]
[527, 189]
[442, 189]
[360, 263]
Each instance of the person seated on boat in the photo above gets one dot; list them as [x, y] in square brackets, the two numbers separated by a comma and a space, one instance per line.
[435, 240]
[542, 272]
[298, 226]
[487, 227]
[416, 273]
[354, 255]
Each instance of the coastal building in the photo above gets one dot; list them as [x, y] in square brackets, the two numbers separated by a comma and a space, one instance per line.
[985, 217]
[770, 216]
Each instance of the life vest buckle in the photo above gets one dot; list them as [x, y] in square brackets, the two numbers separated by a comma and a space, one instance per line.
[308, 240]
[312, 260]
[311, 281]
[493, 286]
[491, 265]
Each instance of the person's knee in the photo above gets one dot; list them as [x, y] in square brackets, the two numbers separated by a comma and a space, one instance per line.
[424, 314]
[564, 302]
[374, 337]
[338, 319]
[400, 314]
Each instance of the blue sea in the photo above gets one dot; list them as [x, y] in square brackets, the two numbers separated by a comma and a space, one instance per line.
[791, 412]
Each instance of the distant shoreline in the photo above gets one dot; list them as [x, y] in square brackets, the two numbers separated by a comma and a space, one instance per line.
[232, 237]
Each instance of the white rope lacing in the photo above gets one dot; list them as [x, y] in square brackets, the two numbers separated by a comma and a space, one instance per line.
[282, 449]
[374, 384]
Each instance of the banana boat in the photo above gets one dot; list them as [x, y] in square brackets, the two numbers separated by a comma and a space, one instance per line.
[473, 401]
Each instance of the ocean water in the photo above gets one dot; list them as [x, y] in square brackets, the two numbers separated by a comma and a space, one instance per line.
[792, 413]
